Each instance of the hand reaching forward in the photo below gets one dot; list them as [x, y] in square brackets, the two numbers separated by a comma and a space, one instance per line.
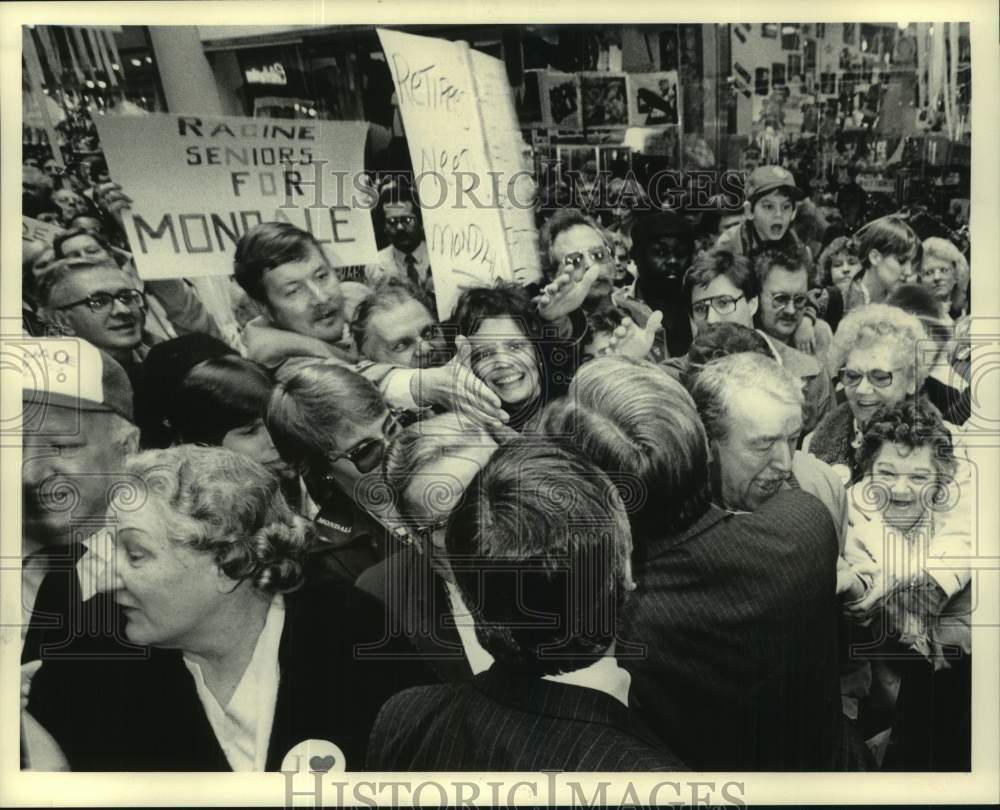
[632, 341]
[566, 293]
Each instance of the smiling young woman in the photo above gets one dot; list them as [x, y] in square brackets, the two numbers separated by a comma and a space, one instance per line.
[522, 362]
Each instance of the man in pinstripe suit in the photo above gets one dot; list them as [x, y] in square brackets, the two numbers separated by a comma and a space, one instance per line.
[540, 548]
[737, 612]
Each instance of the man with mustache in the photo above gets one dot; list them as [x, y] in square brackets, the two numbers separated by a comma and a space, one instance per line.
[783, 279]
[95, 299]
[283, 269]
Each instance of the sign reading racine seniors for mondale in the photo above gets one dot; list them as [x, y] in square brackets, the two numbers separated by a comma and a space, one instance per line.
[199, 183]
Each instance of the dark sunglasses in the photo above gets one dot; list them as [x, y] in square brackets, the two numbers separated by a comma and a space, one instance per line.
[367, 454]
[576, 260]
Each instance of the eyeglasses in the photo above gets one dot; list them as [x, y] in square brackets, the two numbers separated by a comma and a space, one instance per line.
[367, 454]
[782, 300]
[405, 221]
[851, 378]
[722, 304]
[575, 260]
[100, 303]
[930, 272]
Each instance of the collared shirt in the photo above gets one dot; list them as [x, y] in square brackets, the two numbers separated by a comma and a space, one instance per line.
[391, 264]
[243, 726]
[479, 659]
[604, 675]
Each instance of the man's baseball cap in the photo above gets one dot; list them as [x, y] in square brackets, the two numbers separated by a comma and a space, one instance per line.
[72, 373]
[765, 179]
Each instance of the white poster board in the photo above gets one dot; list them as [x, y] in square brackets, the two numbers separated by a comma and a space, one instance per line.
[199, 183]
[460, 128]
[511, 161]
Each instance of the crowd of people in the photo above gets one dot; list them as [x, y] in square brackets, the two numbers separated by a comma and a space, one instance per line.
[699, 500]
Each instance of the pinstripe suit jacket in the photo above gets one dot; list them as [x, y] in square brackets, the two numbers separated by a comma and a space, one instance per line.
[738, 616]
[503, 721]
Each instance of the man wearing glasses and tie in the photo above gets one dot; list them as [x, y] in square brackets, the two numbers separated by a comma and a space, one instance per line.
[405, 259]
[96, 300]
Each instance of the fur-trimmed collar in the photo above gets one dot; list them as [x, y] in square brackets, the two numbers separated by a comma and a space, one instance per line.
[833, 437]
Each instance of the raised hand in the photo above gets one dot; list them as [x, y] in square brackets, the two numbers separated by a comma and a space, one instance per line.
[632, 341]
[567, 292]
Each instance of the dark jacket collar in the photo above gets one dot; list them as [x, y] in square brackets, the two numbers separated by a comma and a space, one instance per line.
[535, 695]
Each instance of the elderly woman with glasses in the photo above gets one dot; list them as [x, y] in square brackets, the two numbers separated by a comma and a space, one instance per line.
[333, 425]
[907, 588]
[873, 356]
[876, 357]
[238, 660]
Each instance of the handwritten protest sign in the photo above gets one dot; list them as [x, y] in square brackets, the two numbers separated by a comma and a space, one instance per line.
[198, 184]
[510, 161]
[34, 230]
[466, 154]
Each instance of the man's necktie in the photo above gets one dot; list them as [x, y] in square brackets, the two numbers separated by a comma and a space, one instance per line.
[411, 271]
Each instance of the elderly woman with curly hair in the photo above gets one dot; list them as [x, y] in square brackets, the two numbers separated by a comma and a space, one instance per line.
[237, 662]
[906, 583]
[874, 357]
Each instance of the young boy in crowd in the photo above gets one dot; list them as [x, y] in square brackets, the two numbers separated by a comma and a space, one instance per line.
[771, 195]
